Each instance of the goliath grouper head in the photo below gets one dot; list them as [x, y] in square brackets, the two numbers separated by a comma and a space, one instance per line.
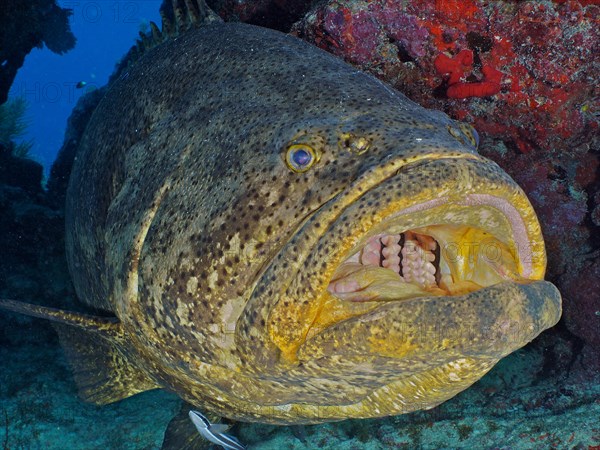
[285, 239]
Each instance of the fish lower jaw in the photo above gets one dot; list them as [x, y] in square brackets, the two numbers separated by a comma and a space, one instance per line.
[436, 260]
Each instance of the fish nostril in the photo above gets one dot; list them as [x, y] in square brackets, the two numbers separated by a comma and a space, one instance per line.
[354, 144]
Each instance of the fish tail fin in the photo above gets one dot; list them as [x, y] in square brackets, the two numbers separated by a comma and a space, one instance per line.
[96, 350]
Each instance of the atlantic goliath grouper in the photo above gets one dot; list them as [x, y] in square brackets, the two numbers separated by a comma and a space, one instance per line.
[282, 238]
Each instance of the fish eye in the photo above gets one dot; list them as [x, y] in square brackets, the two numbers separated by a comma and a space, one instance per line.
[300, 157]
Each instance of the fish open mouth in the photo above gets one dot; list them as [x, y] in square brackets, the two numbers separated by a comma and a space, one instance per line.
[436, 260]
[449, 243]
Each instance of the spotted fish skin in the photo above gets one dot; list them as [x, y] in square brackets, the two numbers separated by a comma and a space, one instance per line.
[185, 222]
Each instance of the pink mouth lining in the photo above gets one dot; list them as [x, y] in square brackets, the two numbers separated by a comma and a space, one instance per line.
[516, 222]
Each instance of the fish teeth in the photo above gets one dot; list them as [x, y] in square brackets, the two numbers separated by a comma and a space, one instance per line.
[390, 239]
[391, 250]
[370, 258]
[417, 258]
[394, 267]
[409, 254]
[371, 253]
[391, 261]
[429, 268]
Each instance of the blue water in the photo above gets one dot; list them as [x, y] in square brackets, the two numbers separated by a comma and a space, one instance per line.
[105, 30]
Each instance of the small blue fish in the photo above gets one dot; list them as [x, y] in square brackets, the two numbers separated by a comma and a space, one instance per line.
[81, 84]
[215, 433]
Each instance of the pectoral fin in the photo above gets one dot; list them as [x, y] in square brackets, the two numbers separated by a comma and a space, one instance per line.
[97, 349]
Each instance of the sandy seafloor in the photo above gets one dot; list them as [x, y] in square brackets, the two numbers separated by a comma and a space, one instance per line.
[519, 404]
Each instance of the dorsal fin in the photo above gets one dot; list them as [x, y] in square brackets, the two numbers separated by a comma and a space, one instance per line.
[177, 17]
[102, 361]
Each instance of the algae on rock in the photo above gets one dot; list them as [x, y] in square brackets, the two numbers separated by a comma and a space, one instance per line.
[13, 125]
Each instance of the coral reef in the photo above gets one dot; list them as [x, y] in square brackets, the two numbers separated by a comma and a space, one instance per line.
[538, 55]
[456, 69]
[25, 25]
[586, 284]
[525, 75]
[20, 172]
[31, 233]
